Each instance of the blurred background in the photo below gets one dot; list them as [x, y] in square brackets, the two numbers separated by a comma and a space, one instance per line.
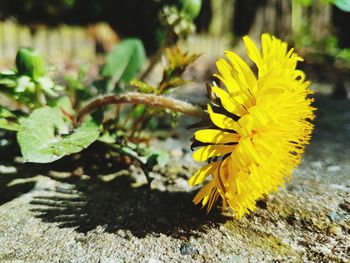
[76, 29]
[72, 32]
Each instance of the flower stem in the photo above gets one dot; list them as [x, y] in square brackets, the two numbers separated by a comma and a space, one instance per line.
[140, 98]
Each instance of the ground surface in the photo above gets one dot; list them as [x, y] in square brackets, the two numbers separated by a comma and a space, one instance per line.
[49, 215]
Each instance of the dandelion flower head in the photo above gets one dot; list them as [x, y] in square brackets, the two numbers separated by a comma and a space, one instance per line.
[259, 126]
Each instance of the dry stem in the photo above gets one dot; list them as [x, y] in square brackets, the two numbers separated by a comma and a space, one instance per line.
[146, 99]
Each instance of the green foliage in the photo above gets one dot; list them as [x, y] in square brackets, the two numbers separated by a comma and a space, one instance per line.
[138, 111]
[305, 2]
[344, 54]
[326, 50]
[50, 122]
[342, 4]
[46, 135]
[29, 83]
[178, 21]
[64, 104]
[124, 61]
[191, 7]
[30, 62]
[8, 120]
[77, 87]
[143, 87]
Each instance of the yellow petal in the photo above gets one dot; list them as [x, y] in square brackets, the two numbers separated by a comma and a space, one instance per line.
[221, 175]
[232, 79]
[216, 136]
[206, 152]
[203, 173]
[226, 71]
[249, 151]
[252, 51]
[229, 103]
[204, 194]
[266, 42]
[244, 73]
[235, 92]
[245, 125]
[214, 196]
[222, 121]
[231, 186]
[261, 116]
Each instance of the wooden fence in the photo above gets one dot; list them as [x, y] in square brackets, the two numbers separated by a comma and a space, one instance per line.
[67, 43]
[64, 42]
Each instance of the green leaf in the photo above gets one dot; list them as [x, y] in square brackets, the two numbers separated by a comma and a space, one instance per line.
[107, 138]
[4, 113]
[45, 136]
[143, 86]
[7, 73]
[9, 83]
[47, 85]
[138, 111]
[9, 125]
[125, 60]
[31, 63]
[191, 7]
[343, 5]
[8, 121]
[62, 103]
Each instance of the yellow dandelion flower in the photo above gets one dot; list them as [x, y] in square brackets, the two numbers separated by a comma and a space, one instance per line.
[259, 127]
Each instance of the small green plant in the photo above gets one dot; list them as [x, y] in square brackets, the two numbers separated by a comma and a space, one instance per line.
[28, 84]
[52, 121]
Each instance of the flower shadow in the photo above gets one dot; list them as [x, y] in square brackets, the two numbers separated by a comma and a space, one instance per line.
[87, 202]
[9, 187]
[105, 198]
[10, 190]
[116, 205]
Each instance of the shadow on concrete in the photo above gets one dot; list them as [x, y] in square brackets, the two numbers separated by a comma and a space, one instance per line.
[86, 203]
[117, 205]
[10, 190]
[91, 161]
